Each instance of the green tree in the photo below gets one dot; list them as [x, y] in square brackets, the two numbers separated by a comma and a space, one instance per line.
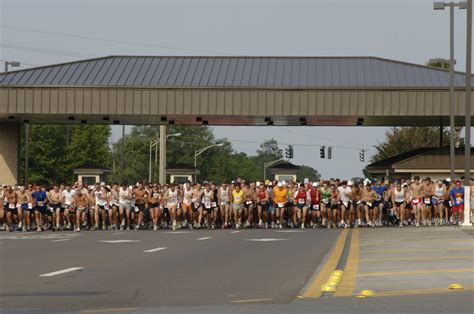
[55, 150]
[404, 139]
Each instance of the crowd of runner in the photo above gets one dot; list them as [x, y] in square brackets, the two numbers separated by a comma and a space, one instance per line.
[240, 204]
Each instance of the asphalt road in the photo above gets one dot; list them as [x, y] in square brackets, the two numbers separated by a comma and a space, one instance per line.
[196, 268]
[251, 271]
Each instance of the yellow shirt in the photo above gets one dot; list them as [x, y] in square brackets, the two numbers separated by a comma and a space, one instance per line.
[279, 196]
[238, 197]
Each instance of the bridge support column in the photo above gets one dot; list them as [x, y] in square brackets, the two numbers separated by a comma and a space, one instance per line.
[9, 152]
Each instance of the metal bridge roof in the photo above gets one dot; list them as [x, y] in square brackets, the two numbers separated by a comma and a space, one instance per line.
[234, 72]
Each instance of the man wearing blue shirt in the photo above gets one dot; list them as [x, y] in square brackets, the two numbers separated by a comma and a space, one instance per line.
[39, 197]
[378, 203]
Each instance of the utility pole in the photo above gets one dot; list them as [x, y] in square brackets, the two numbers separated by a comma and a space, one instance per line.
[467, 145]
[162, 154]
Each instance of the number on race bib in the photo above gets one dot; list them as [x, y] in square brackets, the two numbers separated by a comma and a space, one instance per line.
[316, 207]
[11, 206]
[280, 205]
[427, 200]
[248, 202]
[214, 204]
[301, 201]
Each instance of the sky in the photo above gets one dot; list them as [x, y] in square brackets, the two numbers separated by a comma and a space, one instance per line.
[402, 30]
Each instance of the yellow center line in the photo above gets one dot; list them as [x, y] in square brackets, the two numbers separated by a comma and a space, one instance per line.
[446, 258]
[250, 301]
[419, 250]
[313, 290]
[419, 291]
[120, 309]
[346, 287]
[416, 272]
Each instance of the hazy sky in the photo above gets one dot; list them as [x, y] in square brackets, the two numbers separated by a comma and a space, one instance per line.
[402, 30]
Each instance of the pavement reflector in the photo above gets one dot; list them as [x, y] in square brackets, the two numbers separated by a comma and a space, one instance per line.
[367, 293]
[300, 297]
[328, 288]
[456, 286]
[360, 297]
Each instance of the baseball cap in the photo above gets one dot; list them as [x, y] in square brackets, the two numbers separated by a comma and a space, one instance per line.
[315, 184]
[258, 183]
[280, 184]
[306, 181]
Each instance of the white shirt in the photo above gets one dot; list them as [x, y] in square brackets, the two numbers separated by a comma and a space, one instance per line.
[344, 193]
[68, 196]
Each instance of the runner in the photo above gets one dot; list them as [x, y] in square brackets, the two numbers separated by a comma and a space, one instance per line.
[67, 201]
[427, 193]
[345, 195]
[398, 196]
[154, 205]
[438, 192]
[457, 199]
[237, 201]
[10, 207]
[197, 205]
[315, 209]
[171, 199]
[40, 200]
[416, 192]
[80, 203]
[23, 199]
[280, 198]
[55, 198]
[223, 197]
[262, 205]
[301, 207]
[368, 198]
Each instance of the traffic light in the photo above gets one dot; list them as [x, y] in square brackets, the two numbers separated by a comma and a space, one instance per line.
[362, 155]
[329, 152]
[289, 152]
[321, 151]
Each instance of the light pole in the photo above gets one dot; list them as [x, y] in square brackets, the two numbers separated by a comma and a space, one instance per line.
[200, 151]
[442, 6]
[268, 164]
[27, 127]
[153, 144]
[12, 63]
[467, 145]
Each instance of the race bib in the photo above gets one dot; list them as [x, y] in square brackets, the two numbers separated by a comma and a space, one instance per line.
[214, 204]
[415, 201]
[207, 205]
[316, 207]
[459, 200]
[301, 201]
[325, 200]
[427, 201]
[223, 203]
[368, 203]
[378, 197]
[30, 206]
[136, 209]
[263, 202]
[346, 204]
[237, 198]
[196, 205]
[450, 203]
[40, 203]
[187, 202]
[248, 202]
[11, 206]
[358, 202]
[280, 205]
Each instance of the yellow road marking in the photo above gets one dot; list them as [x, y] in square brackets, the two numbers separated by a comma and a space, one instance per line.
[346, 287]
[314, 289]
[419, 291]
[416, 272]
[120, 309]
[417, 259]
[250, 301]
[420, 250]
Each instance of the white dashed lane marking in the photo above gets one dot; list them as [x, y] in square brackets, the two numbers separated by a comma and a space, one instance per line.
[154, 250]
[118, 241]
[60, 272]
[203, 238]
[265, 240]
[234, 231]
[60, 240]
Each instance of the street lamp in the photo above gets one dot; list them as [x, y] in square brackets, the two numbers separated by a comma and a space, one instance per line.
[155, 143]
[202, 150]
[14, 64]
[442, 6]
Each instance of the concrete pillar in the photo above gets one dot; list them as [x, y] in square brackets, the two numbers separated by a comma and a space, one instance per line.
[9, 152]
